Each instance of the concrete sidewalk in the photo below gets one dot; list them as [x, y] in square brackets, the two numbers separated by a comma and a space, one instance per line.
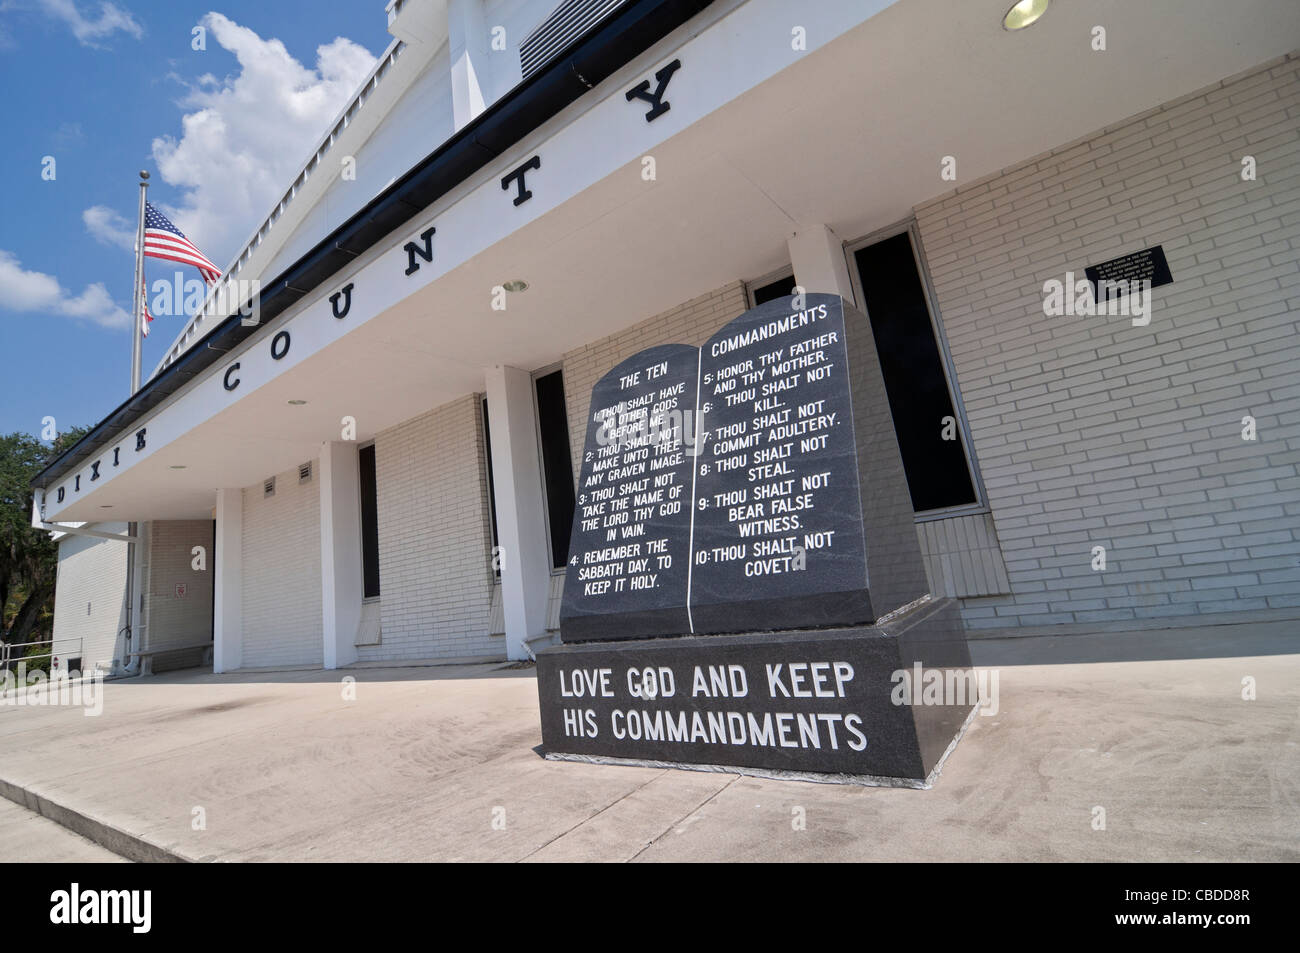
[28, 838]
[279, 766]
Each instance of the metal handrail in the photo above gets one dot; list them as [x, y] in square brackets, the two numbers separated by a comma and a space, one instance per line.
[42, 641]
[7, 655]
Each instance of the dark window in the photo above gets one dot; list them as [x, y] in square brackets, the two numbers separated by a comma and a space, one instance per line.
[492, 499]
[937, 473]
[557, 464]
[369, 523]
[781, 288]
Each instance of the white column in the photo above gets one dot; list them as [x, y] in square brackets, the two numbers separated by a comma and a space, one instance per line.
[817, 255]
[467, 46]
[520, 508]
[140, 586]
[227, 592]
[341, 585]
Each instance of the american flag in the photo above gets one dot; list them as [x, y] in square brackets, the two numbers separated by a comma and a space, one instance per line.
[144, 303]
[164, 240]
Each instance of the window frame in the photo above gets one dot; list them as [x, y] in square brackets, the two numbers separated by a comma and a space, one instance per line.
[786, 271]
[546, 371]
[361, 508]
[909, 227]
[489, 486]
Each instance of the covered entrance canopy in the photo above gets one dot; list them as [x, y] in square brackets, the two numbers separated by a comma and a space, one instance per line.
[628, 218]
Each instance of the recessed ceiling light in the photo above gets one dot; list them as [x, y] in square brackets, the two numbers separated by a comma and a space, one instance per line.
[516, 285]
[177, 466]
[1023, 14]
[296, 403]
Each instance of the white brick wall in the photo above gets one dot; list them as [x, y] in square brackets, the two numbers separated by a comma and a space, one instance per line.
[172, 621]
[90, 594]
[1092, 432]
[281, 573]
[435, 564]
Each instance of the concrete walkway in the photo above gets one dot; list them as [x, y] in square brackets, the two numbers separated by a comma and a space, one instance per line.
[439, 764]
[26, 837]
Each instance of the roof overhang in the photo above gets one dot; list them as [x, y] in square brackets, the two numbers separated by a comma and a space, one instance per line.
[760, 141]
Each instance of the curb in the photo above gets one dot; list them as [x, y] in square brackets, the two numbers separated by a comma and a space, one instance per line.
[130, 846]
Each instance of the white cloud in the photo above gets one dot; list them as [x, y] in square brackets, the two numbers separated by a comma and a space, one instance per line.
[34, 292]
[109, 227]
[248, 134]
[111, 19]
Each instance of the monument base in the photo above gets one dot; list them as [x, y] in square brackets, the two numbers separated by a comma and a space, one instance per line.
[877, 704]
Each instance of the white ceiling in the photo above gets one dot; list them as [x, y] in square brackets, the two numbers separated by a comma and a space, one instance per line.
[850, 136]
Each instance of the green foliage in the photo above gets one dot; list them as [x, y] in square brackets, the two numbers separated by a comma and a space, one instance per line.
[28, 558]
[21, 458]
[38, 658]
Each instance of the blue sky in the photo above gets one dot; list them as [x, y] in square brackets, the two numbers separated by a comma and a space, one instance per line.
[107, 89]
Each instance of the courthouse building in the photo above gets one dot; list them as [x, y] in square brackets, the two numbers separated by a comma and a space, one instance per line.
[382, 467]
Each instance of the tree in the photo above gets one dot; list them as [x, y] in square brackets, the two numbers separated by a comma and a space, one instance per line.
[28, 558]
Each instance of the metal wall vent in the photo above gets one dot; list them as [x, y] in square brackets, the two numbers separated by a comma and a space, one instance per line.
[304, 472]
[268, 488]
[566, 23]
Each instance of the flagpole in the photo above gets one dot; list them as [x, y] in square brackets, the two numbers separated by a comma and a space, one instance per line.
[137, 326]
[137, 312]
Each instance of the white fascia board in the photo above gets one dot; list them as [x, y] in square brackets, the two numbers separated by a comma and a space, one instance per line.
[586, 143]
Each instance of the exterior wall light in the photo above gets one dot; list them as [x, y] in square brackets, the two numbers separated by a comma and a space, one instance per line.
[1023, 14]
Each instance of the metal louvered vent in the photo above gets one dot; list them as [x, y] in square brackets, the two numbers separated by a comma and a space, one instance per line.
[567, 22]
[268, 488]
[304, 472]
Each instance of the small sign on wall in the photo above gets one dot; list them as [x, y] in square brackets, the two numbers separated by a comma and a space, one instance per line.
[1115, 277]
[180, 590]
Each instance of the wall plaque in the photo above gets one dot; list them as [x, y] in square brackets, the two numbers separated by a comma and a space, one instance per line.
[1113, 278]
